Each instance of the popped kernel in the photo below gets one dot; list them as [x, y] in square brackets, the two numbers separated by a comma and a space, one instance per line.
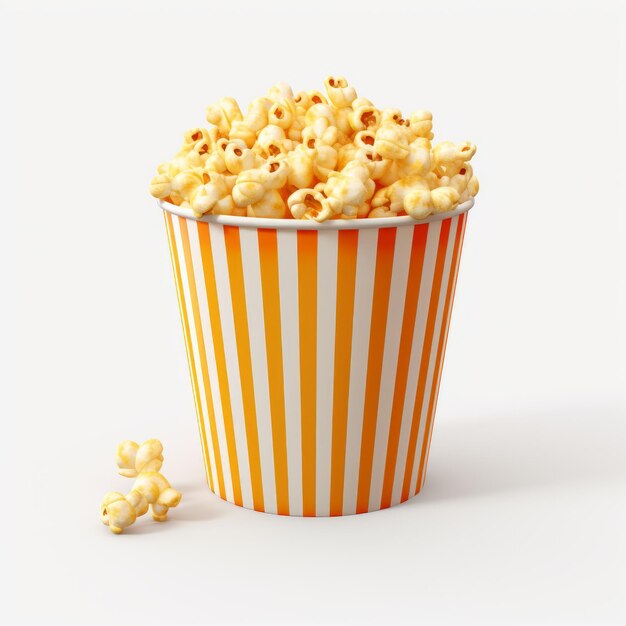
[307, 204]
[151, 490]
[223, 113]
[339, 92]
[251, 185]
[392, 141]
[347, 190]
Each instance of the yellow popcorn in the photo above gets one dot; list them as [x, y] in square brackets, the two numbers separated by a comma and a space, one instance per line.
[345, 154]
[242, 132]
[185, 182]
[118, 511]
[444, 199]
[393, 116]
[161, 186]
[324, 162]
[223, 113]
[256, 117]
[270, 205]
[279, 91]
[272, 142]
[301, 170]
[150, 489]
[392, 141]
[347, 190]
[365, 116]
[158, 493]
[254, 121]
[131, 458]
[382, 211]
[306, 99]
[364, 143]
[453, 169]
[238, 158]
[421, 124]
[294, 132]
[393, 197]
[251, 185]
[339, 92]
[451, 155]
[342, 119]
[200, 139]
[212, 196]
[216, 161]
[417, 162]
[282, 113]
[348, 158]
[307, 204]
[473, 186]
[320, 124]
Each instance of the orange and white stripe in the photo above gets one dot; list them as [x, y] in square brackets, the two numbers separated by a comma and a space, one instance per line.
[315, 354]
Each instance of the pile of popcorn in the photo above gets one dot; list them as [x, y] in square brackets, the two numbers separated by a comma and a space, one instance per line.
[311, 156]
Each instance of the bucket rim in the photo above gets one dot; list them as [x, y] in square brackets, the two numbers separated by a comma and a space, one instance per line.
[292, 224]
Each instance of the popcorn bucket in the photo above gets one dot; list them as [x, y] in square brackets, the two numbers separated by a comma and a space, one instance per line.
[315, 353]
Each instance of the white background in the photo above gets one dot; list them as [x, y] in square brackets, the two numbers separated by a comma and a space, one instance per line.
[522, 517]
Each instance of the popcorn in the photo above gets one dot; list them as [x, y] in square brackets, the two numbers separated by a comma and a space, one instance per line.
[315, 156]
[216, 161]
[161, 186]
[279, 91]
[306, 99]
[282, 113]
[271, 142]
[238, 157]
[307, 204]
[118, 511]
[417, 162]
[150, 489]
[320, 125]
[214, 195]
[392, 141]
[301, 166]
[421, 124]
[131, 458]
[347, 190]
[223, 114]
[339, 92]
[365, 116]
[270, 205]
[324, 162]
[252, 185]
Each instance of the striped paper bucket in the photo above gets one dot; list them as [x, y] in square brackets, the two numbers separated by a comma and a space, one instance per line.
[315, 353]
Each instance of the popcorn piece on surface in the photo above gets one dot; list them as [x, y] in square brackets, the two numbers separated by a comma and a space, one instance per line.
[150, 489]
[350, 160]
[119, 511]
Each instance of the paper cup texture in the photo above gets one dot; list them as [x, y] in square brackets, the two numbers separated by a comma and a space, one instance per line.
[315, 357]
